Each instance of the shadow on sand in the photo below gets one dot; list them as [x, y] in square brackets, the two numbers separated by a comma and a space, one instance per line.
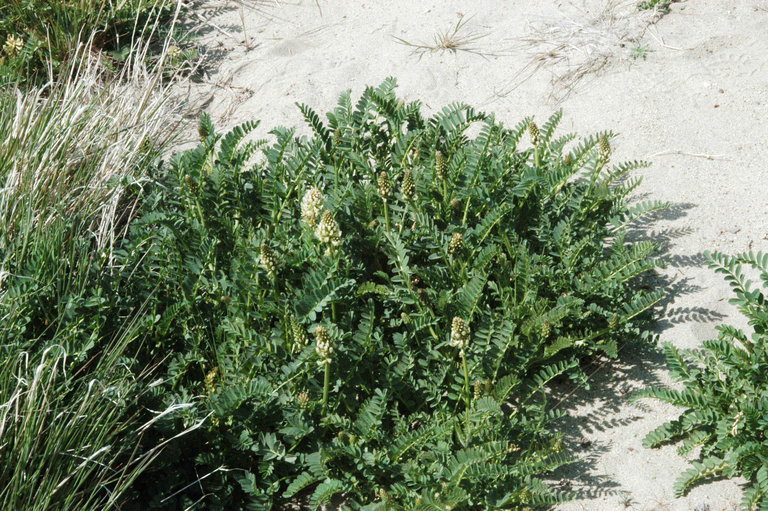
[611, 382]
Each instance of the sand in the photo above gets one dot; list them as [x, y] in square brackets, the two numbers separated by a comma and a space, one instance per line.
[688, 91]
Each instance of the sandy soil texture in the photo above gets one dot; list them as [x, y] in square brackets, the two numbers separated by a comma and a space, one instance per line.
[687, 91]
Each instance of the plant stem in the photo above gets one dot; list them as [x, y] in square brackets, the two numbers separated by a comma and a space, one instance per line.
[402, 219]
[467, 398]
[445, 191]
[466, 212]
[326, 384]
[386, 215]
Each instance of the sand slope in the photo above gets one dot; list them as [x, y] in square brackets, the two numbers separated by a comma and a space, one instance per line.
[688, 91]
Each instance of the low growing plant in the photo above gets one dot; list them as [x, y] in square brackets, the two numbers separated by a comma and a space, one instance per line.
[659, 5]
[371, 315]
[725, 393]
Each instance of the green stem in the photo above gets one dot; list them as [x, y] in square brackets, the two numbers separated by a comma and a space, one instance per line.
[402, 219]
[467, 397]
[466, 212]
[386, 215]
[326, 384]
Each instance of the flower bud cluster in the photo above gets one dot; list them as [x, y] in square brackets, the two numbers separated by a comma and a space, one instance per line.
[268, 259]
[456, 244]
[459, 334]
[323, 347]
[312, 206]
[211, 380]
[385, 189]
[441, 166]
[534, 132]
[303, 400]
[408, 185]
[297, 333]
[605, 149]
[545, 329]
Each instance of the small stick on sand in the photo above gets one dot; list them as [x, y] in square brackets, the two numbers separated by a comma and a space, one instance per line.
[660, 40]
[210, 23]
[694, 155]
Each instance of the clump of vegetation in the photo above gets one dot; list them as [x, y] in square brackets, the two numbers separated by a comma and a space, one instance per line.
[40, 38]
[659, 5]
[71, 418]
[371, 315]
[454, 39]
[725, 389]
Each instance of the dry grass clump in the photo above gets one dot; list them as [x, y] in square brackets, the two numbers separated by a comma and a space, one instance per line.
[64, 148]
[70, 153]
[581, 43]
[456, 38]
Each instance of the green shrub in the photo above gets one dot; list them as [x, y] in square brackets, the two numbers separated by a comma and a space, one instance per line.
[372, 314]
[40, 37]
[725, 393]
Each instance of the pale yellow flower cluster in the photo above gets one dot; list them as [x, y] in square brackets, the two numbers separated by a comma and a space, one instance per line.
[312, 206]
[13, 45]
[328, 231]
[315, 215]
[323, 347]
[459, 334]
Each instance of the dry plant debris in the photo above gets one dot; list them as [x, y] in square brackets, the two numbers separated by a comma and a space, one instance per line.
[454, 39]
[572, 47]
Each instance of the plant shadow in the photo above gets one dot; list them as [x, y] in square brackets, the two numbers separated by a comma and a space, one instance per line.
[605, 404]
[601, 407]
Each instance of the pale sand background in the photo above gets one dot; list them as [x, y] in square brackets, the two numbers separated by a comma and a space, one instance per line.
[696, 106]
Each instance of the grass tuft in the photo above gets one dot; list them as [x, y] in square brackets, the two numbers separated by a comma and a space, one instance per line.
[454, 39]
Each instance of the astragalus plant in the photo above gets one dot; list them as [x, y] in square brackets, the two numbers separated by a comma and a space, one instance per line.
[372, 313]
[70, 418]
[724, 391]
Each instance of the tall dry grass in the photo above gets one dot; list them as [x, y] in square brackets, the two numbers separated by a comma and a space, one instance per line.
[73, 156]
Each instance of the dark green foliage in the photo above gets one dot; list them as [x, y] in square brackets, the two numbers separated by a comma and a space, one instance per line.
[661, 5]
[725, 393]
[359, 351]
[40, 36]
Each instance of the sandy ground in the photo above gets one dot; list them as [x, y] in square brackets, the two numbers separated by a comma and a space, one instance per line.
[687, 91]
